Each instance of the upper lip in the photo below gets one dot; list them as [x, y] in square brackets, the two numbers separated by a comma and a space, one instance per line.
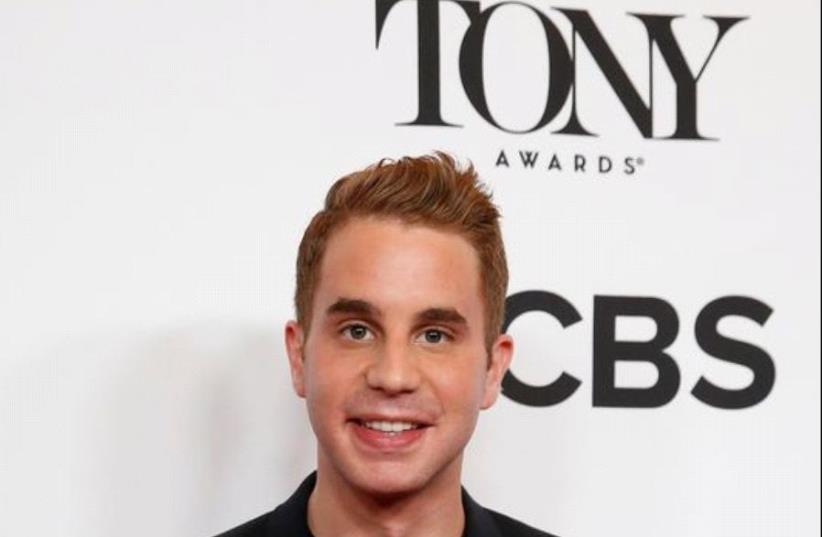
[416, 420]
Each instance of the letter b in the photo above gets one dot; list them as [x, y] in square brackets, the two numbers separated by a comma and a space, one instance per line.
[607, 351]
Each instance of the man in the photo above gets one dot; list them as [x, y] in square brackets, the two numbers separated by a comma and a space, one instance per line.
[401, 283]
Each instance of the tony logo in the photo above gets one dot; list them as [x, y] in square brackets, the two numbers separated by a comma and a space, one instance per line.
[562, 68]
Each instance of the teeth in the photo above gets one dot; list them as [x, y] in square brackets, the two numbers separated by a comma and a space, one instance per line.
[390, 426]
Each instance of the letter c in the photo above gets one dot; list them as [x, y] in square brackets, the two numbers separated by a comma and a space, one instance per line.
[562, 310]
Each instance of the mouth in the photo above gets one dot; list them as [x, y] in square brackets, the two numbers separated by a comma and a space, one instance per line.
[387, 436]
[390, 427]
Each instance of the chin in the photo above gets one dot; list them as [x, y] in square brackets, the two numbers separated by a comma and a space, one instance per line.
[390, 483]
[392, 479]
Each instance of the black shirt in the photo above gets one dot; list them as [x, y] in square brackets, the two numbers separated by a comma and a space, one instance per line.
[290, 519]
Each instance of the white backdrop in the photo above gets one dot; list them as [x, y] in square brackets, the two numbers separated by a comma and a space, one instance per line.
[159, 161]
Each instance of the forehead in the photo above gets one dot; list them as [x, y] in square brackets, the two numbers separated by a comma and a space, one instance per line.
[394, 264]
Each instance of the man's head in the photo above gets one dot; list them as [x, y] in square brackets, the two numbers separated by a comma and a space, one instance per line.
[401, 280]
[431, 191]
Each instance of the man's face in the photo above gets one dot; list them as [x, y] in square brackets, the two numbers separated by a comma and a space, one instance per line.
[394, 369]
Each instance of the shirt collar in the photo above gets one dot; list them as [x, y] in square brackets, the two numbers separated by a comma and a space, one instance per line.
[478, 521]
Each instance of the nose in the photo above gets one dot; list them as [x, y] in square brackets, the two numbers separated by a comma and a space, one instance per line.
[394, 369]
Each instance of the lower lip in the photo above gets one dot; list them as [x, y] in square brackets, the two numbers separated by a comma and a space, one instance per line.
[385, 442]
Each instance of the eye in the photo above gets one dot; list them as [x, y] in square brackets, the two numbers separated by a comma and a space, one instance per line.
[357, 332]
[433, 336]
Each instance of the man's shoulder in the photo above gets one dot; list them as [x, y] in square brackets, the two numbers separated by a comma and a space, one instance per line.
[289, 518]
[510, 527]
[483, 522]
[262, 525]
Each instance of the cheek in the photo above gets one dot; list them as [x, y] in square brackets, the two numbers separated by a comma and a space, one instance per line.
[326, 389]
[329, 376]
[460, 387]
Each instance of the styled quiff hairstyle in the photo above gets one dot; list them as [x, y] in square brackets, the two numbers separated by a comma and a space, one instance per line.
[431, 190]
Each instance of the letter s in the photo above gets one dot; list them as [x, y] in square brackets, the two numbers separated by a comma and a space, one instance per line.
[734, 351]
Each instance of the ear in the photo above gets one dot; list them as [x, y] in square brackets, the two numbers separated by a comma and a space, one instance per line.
[294, 345]
[501, 353]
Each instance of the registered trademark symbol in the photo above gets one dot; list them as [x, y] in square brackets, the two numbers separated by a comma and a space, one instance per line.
[640, 161]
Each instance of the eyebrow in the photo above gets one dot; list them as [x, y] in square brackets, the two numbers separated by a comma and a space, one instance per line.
[353, 306]
[441, 315]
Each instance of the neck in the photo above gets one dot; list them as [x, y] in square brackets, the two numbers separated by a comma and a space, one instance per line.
[337, 508]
